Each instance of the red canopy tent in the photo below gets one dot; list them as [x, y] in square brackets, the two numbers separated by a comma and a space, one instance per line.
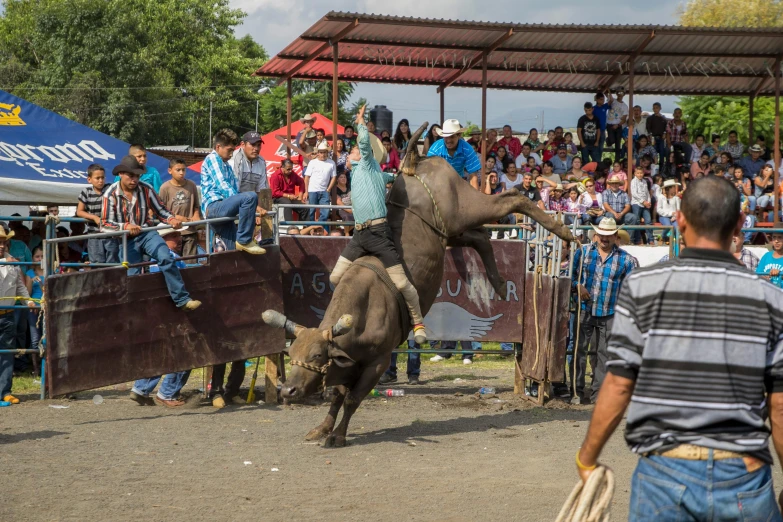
[273, 151]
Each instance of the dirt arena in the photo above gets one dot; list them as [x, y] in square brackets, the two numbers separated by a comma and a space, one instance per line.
[438, 453]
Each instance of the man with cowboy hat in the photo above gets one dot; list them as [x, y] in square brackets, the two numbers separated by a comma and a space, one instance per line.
[457, 152]
[305, 140]
[617, 203]
[319, 178]
[12, 285]
[128, 205]
[373, 234]
[600, 269]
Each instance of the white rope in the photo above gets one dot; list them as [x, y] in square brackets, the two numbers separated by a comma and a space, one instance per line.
[591, 501]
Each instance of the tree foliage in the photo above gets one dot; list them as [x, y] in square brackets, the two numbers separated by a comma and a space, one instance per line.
[144, 70]
[720, 114]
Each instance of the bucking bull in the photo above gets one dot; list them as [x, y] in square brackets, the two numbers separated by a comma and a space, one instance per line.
[365, 320]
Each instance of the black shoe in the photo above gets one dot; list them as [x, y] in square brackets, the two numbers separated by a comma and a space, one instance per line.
[413, 379]
[387, 379]
[141, 400]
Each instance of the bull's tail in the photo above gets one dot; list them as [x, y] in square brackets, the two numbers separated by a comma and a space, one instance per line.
[412, 153]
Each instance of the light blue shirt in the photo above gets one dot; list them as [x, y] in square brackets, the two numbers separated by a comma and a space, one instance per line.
[218, 181]
[152, 178]
[768, 262]
[368, 182]
[463, 160]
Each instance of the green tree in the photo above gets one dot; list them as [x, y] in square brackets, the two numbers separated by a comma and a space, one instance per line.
[721, 114]
[144, 70]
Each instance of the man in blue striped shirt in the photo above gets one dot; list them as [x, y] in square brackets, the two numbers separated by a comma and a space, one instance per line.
[220, 196]
[457, 152]
[601, 269]
[373, 234]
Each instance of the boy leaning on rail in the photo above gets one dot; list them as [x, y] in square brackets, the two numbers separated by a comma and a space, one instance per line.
[127, 205]
[99, 250]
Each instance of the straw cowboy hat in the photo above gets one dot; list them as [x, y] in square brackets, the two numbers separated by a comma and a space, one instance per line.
[607, 227]
[670, 183]
[450, 128]
[614, 179]
[5, 236]
[306, 117]
[166, 231]
[323, 146]
[378, 150]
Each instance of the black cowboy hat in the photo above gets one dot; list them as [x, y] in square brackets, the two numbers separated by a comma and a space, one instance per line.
[129, 165]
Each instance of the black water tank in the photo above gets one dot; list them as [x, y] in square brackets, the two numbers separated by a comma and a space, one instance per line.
[382, 118]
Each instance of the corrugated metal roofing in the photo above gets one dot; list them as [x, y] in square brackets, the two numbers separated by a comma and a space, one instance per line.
[575, 58]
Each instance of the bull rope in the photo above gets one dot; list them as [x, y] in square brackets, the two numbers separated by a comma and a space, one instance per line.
[590, 501]
[578, 325]
[536, 285]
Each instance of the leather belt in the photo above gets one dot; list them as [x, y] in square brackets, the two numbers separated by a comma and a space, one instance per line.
[692, 452]
[6, 311]
[370, 223]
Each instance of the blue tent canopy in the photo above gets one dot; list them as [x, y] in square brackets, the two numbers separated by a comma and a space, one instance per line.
[44, 156]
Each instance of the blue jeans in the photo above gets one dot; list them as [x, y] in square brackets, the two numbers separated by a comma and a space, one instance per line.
[243, 205]
[7, 342]
[35, 330]
[414, 362]
[319, 198]
[152, 244]
[666, 222]
[105, 250]
[20, 318]
[590, 153]
[465, 345]
[661, 151]
[664, 489]
[172, 385]
[640, 212]
[751, 203]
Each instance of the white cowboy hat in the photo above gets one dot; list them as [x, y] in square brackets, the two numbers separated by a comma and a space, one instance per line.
[450, 128]
[323, 146]
[166, 231]
[559, 187]
[306, 117]
[607, 227]
[670, 183]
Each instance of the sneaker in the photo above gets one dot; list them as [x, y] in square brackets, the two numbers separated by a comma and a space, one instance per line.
[191, 305]
[10, 398]
[437, 358]
[218, 402]
[467, 361]
[413, 379]
[387, 379]
[250, 248]
[169, 403]
[141, 400]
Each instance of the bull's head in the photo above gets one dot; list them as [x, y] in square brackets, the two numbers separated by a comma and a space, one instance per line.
[312, 352]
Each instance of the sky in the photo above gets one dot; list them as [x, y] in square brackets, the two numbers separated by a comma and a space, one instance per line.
[275, 24]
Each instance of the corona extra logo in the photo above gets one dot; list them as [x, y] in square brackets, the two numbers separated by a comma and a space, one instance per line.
[9, 114]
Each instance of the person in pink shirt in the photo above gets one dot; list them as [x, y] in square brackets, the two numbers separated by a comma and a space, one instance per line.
[392, 158]
[511, 143]
[617, 170]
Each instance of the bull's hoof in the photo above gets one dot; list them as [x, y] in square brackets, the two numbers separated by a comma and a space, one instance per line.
[317, 433]
[502, 289]
[334, 441]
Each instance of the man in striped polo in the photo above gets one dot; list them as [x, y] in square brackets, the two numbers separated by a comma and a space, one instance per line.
[697, 351]
[373, 234]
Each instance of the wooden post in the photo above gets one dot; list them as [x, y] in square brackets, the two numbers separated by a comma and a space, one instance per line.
[270, 377]
[288, 114]
[630, 123]
[335, 108]
[751, 141]
[777, 143]
[482, 175]
[442, 106]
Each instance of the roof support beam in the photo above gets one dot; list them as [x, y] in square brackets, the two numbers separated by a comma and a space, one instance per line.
[336, 38]
[631, 59]
[483, 55]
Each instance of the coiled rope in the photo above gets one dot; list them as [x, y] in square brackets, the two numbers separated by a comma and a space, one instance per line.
[590, 501]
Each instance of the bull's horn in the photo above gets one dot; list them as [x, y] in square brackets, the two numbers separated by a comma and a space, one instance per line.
[412, 152]
[343, 325]
[277, 320]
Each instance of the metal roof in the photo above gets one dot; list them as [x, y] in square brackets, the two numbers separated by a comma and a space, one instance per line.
[668, 60]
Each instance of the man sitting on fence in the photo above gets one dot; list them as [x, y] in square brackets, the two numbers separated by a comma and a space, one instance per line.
[130, 205]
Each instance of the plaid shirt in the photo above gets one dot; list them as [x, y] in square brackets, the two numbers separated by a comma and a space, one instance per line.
[602, 279]
[218, 181]
[675, 133]
[616, 200]
[749, 259]
[558, 205]
[118, 212]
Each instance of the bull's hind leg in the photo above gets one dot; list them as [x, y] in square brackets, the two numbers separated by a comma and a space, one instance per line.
[478, 240]
[368, 379]
[323, 429]
[481, 209]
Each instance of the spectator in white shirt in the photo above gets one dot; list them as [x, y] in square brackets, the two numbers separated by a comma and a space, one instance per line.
[320, 177]
[521, 160]
[668, 206]
[641, 202]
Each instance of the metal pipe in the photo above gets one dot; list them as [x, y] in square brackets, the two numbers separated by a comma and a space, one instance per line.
[442, 106]
[483, 120]
[777, 142]
[288, 114]
[751, 115]
[125, 249]
[335, 92]
[630, 121]
[119, 233]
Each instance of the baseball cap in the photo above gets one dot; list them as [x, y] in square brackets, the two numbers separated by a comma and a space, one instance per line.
[252, 137]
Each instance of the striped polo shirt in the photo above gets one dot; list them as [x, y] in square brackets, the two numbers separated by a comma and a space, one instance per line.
[368, 182]
[703, 339]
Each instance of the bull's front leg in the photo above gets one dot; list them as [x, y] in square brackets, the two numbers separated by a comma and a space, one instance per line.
[367, 381]
[478, 240]
[326, 427]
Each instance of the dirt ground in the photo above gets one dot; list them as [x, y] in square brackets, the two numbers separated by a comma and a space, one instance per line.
[438, 453]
